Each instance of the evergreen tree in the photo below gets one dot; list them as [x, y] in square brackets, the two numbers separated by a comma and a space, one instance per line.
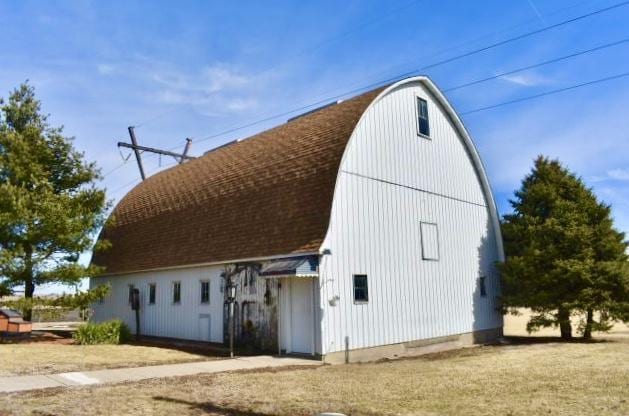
[564, 257]
[50, 208]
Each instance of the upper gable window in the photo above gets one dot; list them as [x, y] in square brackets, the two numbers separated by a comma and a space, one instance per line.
[423, 124]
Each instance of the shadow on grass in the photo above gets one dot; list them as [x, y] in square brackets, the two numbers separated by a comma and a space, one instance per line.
[50, 337]
[209, 349]
[529, 340]
[210, 407]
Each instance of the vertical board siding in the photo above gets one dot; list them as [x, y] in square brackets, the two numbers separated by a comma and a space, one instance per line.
[391, 179]
[164, 318]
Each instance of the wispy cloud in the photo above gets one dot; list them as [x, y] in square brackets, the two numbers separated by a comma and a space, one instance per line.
[221, 77]
[526, 80]
[105, 69]
[619, 174]
[212, 90]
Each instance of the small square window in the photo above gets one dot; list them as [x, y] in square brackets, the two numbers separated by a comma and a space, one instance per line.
[152, 291]
[176, 292]
[205, 291]
[482, 288]
[423, 124]
[430, 241]
[361, 290]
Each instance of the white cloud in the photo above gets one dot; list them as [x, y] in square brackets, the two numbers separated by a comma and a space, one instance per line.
[239, 104]
[220, 78]
[530, 80]
[213, 90]
[619, 174]
[105, 69]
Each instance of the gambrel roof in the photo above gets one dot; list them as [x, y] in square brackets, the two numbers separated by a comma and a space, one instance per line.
[269, 195]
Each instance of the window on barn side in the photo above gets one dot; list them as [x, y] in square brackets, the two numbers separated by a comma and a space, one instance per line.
[361, 289]
[152, 292]
[481, 286]
[205, 291]
[430, 241]
[176, 292]
[423, 124]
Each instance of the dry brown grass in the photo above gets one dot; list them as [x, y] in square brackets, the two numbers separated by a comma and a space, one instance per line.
[48, 358]
[543, 378]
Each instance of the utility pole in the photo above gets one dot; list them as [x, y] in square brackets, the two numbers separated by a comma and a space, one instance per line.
[137, 149]
[138, 158]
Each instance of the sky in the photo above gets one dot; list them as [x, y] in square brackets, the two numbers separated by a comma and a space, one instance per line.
[198, 68]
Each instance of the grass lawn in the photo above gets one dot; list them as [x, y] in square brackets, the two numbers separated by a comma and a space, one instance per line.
[538, 378]
[48, 358]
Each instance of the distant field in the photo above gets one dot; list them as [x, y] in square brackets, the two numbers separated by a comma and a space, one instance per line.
[516, 326]
[543, 377]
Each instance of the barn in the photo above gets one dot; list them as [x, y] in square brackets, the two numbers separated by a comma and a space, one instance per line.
[363, 229]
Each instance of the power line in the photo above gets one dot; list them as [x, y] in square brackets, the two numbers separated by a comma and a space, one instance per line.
[412, 72]
[364, 24]
[476, 110]
[310, 49]
[544, 94]
[550, 61]
[456, 46]
[525, 35]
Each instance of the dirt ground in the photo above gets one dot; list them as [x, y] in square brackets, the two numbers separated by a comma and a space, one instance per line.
[534, 375]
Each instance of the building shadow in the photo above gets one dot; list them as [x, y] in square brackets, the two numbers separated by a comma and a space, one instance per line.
[208, 407]
[532, 340]
[486, 306]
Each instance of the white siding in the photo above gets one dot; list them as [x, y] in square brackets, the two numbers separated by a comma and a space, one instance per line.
[164, 318]
[390, 181]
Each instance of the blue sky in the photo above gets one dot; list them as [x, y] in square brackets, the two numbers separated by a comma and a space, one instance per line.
[195, 68]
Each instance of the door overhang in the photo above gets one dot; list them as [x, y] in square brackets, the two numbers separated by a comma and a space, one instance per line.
[305, 266]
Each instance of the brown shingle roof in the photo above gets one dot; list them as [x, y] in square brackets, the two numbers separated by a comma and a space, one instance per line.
[267, 195]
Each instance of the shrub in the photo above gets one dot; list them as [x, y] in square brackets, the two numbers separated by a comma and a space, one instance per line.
[108, 332]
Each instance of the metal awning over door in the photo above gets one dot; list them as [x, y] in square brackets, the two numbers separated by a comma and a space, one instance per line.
[305, 266]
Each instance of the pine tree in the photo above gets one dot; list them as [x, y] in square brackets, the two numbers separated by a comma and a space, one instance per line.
[50, 208]
[564, 257]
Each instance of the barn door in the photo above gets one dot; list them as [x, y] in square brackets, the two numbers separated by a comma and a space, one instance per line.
[204, 327]
[297, 315]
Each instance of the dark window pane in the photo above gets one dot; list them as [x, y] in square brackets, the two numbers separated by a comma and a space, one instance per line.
[360, 288]
[152, 293]
[205, 292]
[422, 117]
[177, 292]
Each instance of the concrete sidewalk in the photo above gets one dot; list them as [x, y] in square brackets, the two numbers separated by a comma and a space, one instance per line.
[117, 375]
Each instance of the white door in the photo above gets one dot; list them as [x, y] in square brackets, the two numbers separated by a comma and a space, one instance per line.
[302, 318]
[204, 328]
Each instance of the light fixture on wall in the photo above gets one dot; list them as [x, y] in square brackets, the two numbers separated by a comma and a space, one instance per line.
[334, 300]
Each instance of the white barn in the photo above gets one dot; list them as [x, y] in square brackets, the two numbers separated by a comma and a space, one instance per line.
[361, 230]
